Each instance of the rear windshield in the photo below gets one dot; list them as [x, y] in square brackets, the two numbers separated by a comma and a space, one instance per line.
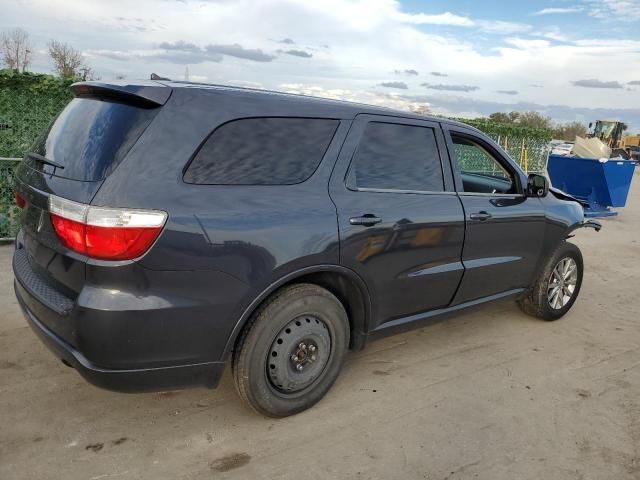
[90, 137]
[262, 151]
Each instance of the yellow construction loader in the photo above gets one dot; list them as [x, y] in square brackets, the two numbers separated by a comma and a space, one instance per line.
[608, 132]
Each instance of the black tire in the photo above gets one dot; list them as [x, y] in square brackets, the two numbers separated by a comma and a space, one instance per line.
[536, 301]
[313, 315]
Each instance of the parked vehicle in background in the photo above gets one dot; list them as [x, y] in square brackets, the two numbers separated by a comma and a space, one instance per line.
[562, 148]
[168, 228]
[633, 152]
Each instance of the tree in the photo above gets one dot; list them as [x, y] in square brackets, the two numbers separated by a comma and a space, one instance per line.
[502, 117]
[15, 49]
[569, 131]
[69, 62]
[526, 119]
[87, 73]
[535, 120]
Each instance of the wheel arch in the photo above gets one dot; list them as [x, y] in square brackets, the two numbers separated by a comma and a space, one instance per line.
[342, 282]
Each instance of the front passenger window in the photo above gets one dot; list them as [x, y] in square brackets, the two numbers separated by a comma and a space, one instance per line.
[481, 171]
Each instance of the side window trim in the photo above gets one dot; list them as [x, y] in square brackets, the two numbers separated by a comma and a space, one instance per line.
[361, 123]
[451, 130]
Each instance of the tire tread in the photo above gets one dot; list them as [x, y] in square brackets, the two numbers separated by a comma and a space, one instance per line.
[240, 358]
[534, 301]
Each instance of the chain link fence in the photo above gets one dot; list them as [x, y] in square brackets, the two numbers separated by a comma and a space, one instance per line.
[9, 212]
[530, 153]
[28, 103]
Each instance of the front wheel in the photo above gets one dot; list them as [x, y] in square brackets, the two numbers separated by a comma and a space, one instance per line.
[558, 285]
[292, 350]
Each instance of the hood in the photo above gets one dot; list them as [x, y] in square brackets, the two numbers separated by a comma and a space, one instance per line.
[565, 196]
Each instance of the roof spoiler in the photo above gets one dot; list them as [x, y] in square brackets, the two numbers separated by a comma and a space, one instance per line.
[143, 94]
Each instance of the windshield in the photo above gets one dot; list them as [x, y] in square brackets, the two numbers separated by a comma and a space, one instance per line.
[604, 129]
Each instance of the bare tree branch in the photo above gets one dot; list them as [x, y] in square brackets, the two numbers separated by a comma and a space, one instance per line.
[69, 62]
[15, 49]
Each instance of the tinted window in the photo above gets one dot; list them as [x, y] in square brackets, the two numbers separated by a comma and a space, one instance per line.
[262, 151]
[397, 157]
[90, 137]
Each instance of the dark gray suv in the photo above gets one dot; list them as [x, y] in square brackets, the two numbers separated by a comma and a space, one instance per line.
[170, 227]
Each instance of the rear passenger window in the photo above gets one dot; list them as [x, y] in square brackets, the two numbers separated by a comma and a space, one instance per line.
[262, 151]
[397, 157]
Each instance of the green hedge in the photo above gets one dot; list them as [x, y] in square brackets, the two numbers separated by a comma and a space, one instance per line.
[527, 146]
[508, 129]
[28, 102]
[9, 212]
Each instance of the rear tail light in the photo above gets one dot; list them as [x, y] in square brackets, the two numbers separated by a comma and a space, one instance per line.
[20, 202]
[105, 233]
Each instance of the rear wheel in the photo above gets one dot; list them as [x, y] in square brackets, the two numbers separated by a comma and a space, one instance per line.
[291, 351]
[558, 285]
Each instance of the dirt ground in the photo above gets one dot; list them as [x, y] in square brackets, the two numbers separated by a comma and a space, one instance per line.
[491, 394]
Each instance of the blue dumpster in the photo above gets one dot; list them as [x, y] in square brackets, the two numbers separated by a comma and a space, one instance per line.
[601, 185]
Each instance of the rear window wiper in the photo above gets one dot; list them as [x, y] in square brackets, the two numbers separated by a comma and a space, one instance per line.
[42, 159]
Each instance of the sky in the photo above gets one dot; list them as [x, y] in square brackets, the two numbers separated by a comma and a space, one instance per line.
[569, 59]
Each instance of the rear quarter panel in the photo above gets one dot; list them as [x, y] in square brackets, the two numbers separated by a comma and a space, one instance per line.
[255, 234]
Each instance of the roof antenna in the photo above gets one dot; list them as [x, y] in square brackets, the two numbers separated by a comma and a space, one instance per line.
[155, 76]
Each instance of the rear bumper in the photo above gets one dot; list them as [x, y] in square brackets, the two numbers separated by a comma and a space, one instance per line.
[122, 380]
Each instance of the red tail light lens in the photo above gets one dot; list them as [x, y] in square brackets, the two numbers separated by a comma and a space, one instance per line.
[70, 233]
[105, 233]
[119, 243]
[20, 202]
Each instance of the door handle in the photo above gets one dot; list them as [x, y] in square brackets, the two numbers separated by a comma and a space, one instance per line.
[482, 216]
[367, 220]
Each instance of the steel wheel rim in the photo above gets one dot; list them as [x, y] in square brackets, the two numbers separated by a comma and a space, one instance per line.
[562, 283]
[299, 354]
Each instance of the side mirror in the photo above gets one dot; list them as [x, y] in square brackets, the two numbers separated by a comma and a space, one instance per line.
[537, 185]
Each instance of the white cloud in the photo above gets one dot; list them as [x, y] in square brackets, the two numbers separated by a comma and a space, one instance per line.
[503, 28]
[615, 10]
[557, 10]
[381, 99]
[450, 19]
[368, 40]
[554, 34]
[446, 18]
[528, 44]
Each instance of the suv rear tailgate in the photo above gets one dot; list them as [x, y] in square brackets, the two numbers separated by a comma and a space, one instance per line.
[82, 146]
